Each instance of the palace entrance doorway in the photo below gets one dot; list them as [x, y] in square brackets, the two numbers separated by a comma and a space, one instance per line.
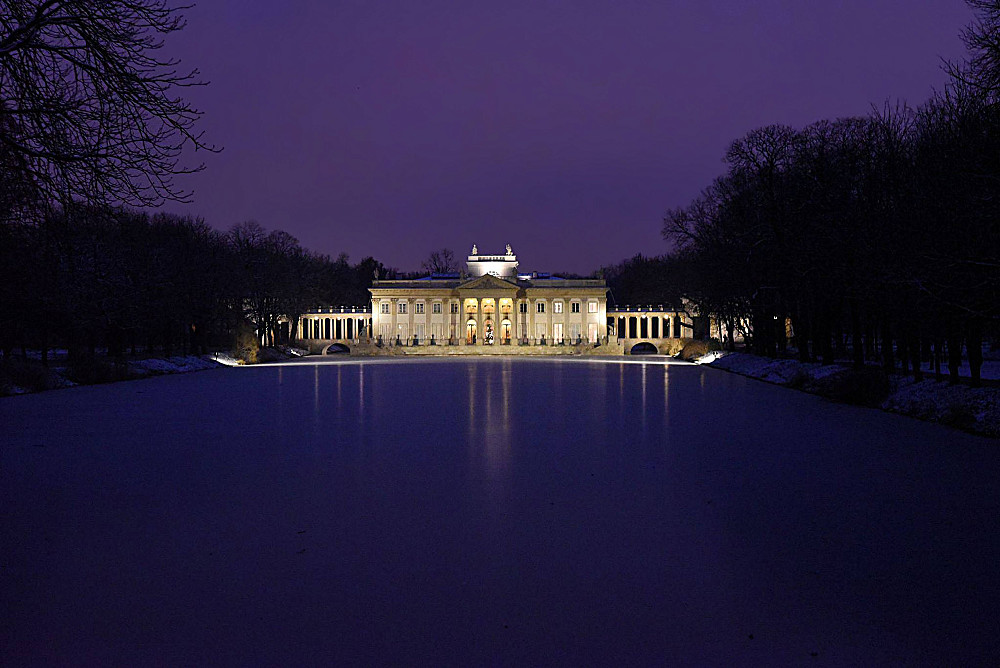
[505, 332]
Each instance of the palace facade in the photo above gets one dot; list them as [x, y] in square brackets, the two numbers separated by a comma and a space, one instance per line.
[492, 307]
[491, 304]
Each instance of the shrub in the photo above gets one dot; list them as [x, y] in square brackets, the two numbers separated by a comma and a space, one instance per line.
[868, 386]
[270, 354]
[27, 374]
[673, 346]
[958, 415]
[92, 370]
[694, 349]
[246, 347]
[798, 380]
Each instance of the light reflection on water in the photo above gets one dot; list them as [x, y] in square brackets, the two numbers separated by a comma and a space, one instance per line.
[498, 427]
[643, 411]
[666, 396]
[506, 406]
[316, 396]
[361, 390]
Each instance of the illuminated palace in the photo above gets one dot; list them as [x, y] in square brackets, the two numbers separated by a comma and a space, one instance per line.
[492, 304]
[493, 308]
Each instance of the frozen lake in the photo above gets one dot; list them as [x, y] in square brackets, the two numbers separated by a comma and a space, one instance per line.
[489, 511]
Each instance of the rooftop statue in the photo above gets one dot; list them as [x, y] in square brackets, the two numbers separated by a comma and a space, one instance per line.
[475, 251]
[509, 251]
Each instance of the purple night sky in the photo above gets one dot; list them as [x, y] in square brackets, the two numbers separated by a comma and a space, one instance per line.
[396, 128]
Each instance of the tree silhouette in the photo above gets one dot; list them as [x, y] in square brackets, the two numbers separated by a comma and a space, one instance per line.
[440, 262]
[89, 108]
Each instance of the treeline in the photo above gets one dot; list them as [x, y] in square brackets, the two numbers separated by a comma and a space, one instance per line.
[643, 280]
[84, 279]
[875, 238]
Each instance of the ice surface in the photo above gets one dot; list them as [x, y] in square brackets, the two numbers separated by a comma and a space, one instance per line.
[488, 511]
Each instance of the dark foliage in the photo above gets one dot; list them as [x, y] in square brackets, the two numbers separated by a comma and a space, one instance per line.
[26, 374]
[89, 279]
[645, 280]
[876, 238]
[864, 386]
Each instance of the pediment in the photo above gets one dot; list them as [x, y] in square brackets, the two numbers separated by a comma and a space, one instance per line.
[488, 282]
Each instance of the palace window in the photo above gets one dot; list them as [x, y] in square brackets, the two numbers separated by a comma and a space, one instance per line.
[384, 307]
[401, 307]
[523, 307]
[540, 307]
[436, 307]
[419, 307]
[592, 307]
[557, 308]
[574, 307]
[454, 308]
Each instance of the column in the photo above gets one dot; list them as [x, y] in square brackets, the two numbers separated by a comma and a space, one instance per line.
[513, 321]
[493, 317]
[393, 324]
[531, 319]
[410, 303]
[479, 321]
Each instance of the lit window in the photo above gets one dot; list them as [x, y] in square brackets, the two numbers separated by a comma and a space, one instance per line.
[557, 308]
[592, 307]
[540, 307]
[436, 308]
[385, 307]
[574, 307]
[401, 307]
[419, 307]
[454, 308]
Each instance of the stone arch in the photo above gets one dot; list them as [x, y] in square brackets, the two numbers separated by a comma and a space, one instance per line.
[643, 348]
[336, 349]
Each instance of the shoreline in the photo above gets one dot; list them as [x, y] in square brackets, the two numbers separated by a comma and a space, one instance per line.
[968, 409]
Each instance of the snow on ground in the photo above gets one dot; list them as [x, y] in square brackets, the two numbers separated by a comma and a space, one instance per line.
[177, 364]
[971, 409]
[33, 377]
[778, 371]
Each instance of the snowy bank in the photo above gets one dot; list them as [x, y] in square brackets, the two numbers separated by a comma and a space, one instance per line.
[19, 376]
[976, 410]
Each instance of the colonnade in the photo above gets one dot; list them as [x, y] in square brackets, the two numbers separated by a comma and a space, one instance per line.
[335, 326]
[646, 326]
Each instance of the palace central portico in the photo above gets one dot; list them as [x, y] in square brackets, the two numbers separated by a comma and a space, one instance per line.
[491, 304]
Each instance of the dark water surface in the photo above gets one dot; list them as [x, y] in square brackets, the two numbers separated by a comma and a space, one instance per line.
[489, 512]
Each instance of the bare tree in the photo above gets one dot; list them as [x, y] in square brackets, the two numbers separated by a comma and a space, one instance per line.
[440, 262]
[981, 68]
[89, 108]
